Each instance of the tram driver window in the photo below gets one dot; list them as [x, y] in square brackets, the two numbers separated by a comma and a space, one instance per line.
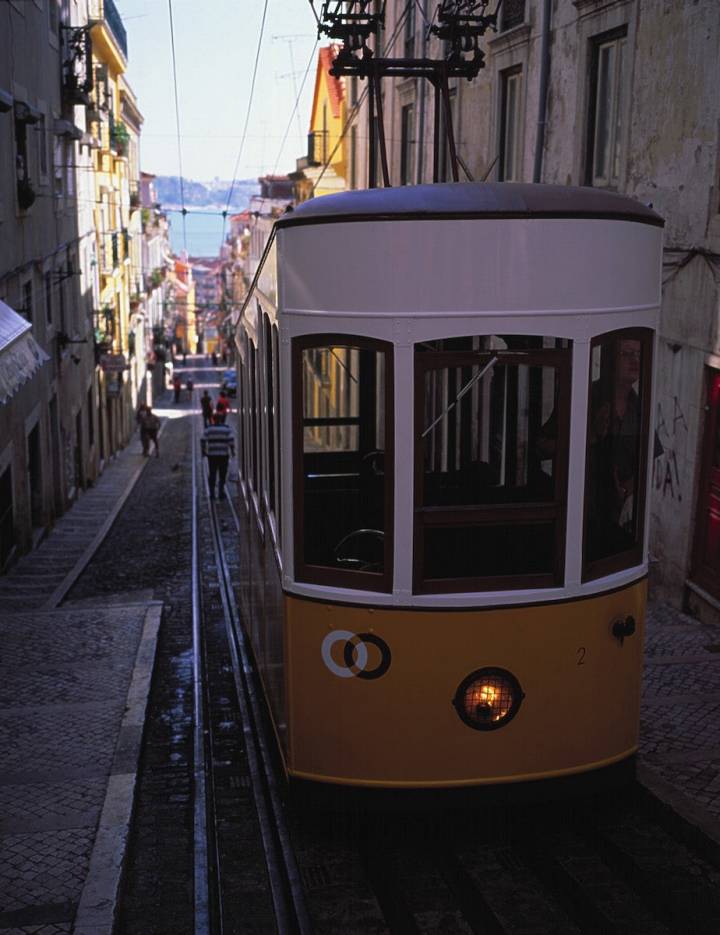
[616, 451]
[491, 455]
[343, 487]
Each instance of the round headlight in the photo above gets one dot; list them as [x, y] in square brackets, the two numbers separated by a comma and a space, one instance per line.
[488, 698]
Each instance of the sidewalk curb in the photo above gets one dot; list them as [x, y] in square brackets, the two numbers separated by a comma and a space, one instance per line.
[98, 902]
[69, 580]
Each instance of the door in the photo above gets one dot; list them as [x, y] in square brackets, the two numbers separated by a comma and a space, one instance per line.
[707, 537]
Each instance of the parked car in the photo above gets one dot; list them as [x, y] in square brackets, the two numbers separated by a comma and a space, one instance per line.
[229, 382]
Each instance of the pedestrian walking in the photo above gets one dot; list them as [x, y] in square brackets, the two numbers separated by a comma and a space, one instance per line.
[217, 445]
[190, 384]
[224, 401]
[177, 386]
[214, 359]
[142, 408]
[149, 428]
[207, 408]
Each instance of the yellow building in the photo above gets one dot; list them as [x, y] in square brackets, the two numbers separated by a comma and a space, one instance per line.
[112, 137]
[185, 307]
[323, 170]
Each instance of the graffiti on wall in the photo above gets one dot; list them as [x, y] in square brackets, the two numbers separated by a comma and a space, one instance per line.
[670, 432]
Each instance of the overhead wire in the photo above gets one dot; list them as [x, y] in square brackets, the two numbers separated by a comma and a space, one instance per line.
[356, 107]
[247, 119]
[295, 107]
[177, 122]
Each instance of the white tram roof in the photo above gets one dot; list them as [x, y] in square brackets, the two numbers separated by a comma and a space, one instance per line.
[470, 200]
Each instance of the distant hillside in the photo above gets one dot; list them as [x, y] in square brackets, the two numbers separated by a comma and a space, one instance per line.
[204, 194]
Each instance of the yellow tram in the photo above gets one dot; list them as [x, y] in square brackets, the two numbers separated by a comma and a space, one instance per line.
[445, 397]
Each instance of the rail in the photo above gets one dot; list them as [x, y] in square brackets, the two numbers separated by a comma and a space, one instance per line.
[291, 914]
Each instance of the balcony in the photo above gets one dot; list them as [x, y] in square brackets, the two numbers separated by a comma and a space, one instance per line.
[317, 147]
[105, 11]
[119, 137]
[77, 73]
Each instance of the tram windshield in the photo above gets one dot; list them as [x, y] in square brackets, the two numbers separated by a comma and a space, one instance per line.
[491, 455]
[343, 468]
[617, 435]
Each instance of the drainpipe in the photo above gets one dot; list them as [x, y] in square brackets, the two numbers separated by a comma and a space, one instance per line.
[421, 116]
[544, 77]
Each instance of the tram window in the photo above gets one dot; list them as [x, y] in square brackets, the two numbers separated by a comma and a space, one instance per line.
[275, 352]
[491, 455]
[254, 454]
[270, 389]
[618, 420]
[242, 420]
[343, 476]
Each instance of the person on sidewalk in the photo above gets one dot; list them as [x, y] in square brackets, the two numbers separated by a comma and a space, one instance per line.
[140, 415]
[149, 428]
[217, 445]
[190, 385]
[207, 408]
[224, 401]
[177, 386]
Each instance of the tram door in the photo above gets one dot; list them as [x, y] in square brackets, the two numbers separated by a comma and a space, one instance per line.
[707, 542]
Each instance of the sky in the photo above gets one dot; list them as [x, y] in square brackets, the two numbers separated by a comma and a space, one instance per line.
[215, 48]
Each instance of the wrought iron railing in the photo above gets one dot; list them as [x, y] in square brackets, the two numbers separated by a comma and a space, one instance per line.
[113, 19]
[77, 64]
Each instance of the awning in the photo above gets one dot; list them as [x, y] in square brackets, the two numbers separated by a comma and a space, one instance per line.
[20, 354]
[68, 129]
[27, 114]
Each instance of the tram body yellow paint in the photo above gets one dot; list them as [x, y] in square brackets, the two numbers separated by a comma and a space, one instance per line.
[581, 686]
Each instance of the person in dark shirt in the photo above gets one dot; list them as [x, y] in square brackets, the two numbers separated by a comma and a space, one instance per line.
[207, 408]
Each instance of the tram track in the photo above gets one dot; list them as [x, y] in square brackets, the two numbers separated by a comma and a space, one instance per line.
[262, 774]
[621, 863]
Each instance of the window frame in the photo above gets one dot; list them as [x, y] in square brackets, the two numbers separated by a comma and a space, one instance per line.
[614, 37]
[270, 428]
[492, 514]
[621, 561]
[407, 132]
[322, 574]
[513, 74]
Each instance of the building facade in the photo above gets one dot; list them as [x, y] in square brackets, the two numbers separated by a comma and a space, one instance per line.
[48, 427]
[113, 144]
[69, 143]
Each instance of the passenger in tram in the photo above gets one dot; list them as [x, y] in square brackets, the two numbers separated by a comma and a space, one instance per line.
[614, 449]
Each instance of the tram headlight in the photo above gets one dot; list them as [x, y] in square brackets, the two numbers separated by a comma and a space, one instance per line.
[488, 698]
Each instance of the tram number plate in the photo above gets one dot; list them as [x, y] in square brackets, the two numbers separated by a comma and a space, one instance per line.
[581, 655]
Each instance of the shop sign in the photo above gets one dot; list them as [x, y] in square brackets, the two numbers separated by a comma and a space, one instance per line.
[112, 388]
[113, 363]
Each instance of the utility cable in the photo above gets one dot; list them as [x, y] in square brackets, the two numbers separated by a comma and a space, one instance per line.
[177, 123]
[247, 120]
[295, 108]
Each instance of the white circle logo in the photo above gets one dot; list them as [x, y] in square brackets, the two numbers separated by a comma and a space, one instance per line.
[355, 654]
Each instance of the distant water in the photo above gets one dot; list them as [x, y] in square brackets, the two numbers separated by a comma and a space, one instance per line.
[203, 231]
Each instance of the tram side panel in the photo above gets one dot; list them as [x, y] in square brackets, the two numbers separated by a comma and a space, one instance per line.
[581, 686]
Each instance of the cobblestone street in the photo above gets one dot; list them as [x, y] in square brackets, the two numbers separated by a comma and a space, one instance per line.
[71, 756]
